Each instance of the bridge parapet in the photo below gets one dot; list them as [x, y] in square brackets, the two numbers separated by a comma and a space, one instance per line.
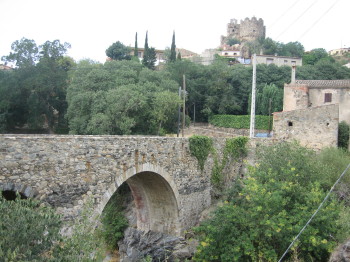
[169, 189]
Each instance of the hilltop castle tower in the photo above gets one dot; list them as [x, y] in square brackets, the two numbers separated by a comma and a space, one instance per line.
[245, 31]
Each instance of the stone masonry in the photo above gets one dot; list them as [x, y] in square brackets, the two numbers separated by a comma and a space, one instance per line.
[313, 127]
[169, 190]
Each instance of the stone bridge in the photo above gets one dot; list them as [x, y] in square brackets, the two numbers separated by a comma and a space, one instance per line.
[168, 188]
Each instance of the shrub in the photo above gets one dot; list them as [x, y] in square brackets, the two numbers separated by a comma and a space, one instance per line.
[235, 148]
[113, 220]
[27, 230]
[343, 135]
[239, 121]
[264, 212]
[200, 147]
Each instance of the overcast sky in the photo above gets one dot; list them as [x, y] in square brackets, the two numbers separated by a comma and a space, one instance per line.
[91, 26]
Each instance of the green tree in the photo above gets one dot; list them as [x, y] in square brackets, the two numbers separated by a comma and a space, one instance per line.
[38, 86]
[24, 53]
[295, 49]
[343, 135]
[136, 50]
[264, 95]
[149, 55]
[232, 41]
[315, 55]
[165, 105]
[270, 47]
[118, 51]
[173, 50]
[264, 212]
[179, 56]
[150, 58]
[117, 98]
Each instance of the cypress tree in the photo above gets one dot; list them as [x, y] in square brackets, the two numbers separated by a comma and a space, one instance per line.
[178, 56]
[172, 50]
[145, 52]
[136, 50]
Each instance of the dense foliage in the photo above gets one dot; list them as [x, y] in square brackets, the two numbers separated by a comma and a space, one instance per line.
[28, 230]
[200, 148]
[121, 97]
[113, 220]
[343, 135]
[118, 51]
[239, 121]
[235, 149]
[264, 212]
[34, 94]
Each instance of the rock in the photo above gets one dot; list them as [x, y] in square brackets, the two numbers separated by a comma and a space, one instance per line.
[342, 253]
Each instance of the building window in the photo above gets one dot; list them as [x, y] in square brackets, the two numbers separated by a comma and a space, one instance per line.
[328, 97]
[285, 62]
[269, 61]
[226, 53]
[294, 63]
[290, 123]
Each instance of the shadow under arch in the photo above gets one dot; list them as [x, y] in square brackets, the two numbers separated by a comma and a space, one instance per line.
[9, 191]
[155, 198]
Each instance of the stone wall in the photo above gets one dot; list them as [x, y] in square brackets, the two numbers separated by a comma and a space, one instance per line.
[313, 127]
[214, 131]
[312, 93]
[246, 30]
[169, 189]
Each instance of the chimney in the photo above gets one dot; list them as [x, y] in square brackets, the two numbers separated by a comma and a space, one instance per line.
[293, 74]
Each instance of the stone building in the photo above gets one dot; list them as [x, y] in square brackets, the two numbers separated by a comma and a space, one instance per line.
[279, 60]
[312, 110]
[245, 31]
[314, 93]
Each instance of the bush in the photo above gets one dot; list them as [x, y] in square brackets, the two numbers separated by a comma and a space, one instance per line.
[113, 220]
[239, 121]
[264, 212]
[27, 230]
[200, 147]
[343, 135]
[84, 244]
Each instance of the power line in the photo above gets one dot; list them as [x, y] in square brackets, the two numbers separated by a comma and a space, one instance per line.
[312, 26]
[283, 14]
[301, 15]
[314, 214]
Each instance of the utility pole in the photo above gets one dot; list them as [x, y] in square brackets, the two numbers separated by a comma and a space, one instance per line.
[179, 114]
[194, 114]
[252, 108]
[184, 104]
[270, 102]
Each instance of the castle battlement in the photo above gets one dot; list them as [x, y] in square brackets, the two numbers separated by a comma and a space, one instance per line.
[249, 29]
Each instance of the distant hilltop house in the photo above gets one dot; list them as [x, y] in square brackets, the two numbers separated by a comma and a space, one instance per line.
[279, 60]
[339, 51]
[140, 53]
[312, 110]
[160, 54]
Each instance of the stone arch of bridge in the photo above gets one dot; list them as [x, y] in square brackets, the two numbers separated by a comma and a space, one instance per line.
[155, 195]
[9, 191]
